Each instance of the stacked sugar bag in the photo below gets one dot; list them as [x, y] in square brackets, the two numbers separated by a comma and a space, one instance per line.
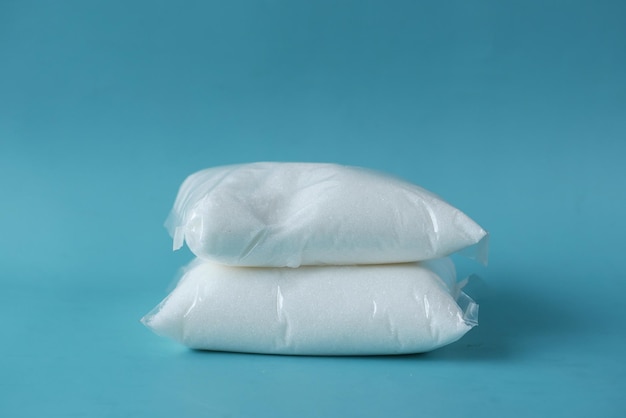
[316, 259]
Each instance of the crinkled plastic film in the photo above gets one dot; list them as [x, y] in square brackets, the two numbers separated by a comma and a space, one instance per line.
[465, 302]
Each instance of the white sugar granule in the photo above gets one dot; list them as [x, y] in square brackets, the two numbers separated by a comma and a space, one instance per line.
[292, 214]
[328, 310]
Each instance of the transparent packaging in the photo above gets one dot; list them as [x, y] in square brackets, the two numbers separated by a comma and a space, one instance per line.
[295, 214]
[323, 310]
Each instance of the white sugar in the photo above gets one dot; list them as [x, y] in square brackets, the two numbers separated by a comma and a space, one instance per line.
[292, 214]
[331, 310]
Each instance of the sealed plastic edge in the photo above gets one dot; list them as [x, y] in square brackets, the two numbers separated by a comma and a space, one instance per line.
[468, 306]
[478, 251]
[191, 190]
[173, 226]
[147, 318]
[180, 276]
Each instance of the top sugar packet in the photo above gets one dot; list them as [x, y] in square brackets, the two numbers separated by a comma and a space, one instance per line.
[293, 214]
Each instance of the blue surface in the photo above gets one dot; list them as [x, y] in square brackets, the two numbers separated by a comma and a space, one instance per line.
[513, 111]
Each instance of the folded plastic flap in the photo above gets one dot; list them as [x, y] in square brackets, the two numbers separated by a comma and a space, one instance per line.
[468, 306]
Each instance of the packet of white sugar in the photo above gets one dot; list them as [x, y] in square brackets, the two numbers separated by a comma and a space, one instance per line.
[323, 310]
[293, 214]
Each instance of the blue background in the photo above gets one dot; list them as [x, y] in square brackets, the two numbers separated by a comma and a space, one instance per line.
[515, 112]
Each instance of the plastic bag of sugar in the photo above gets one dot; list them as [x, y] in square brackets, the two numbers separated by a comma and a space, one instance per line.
[323, 310]
[293, 214]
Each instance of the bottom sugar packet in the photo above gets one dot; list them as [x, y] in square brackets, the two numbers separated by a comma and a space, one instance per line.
[325, 310]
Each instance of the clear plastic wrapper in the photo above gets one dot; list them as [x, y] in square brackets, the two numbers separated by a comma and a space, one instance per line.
[293, 214]
[325, 310]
